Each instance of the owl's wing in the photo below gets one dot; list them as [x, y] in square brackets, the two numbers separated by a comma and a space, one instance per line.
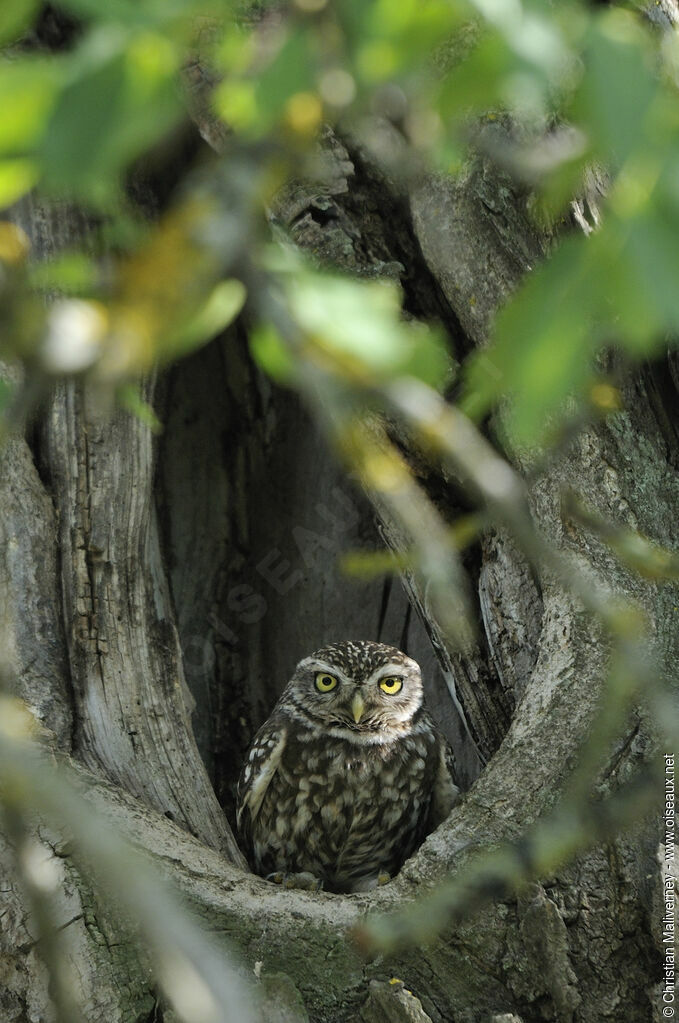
[445, 793]
[260, 766]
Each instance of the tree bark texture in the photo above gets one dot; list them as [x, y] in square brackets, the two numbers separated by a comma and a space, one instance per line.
[156, 594]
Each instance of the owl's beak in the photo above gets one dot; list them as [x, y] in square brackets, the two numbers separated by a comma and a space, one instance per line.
[357, 707]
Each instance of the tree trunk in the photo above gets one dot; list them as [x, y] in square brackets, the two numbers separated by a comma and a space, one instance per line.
[156, 595]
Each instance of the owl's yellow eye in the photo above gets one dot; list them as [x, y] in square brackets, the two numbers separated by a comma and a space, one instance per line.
[391, 685]
[325, 682]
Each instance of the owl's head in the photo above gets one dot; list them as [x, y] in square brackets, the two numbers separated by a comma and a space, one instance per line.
[358, 690]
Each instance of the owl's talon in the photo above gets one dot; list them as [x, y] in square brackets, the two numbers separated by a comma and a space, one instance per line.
[302, 881]
[369, 884]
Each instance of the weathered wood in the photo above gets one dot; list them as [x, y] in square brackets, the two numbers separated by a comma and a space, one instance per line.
[580, 946]
[124, 661]
[256, 513]
[132, 719]
[33, 659]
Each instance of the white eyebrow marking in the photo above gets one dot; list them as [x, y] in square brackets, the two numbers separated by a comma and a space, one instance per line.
[332, 669]
[391, 668]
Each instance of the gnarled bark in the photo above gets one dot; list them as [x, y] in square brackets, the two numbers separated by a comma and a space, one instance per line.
[240, 579]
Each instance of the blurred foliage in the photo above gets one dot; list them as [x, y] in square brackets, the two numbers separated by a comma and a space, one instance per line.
[353, 329]
[196, 978]
[635, 551]
[585, 86]
[588, 89]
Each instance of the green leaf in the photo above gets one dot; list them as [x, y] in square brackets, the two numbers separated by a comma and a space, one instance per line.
[542, 345]
[121, 98]
[618, 88]
[654, 256]
[256, 104]
[71, 273]
[518, 60]
[236, 104]
[626, 310]
[220, 309]
[270, 352]
[387, 39]
[129, 398]
[292, 71]
[476, 82]
[27, 89]
[359, 325]
[134, 14]
[122, 12]
[16, 178]
[15, 17]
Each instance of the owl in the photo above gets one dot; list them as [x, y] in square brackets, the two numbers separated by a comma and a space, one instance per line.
[348, 775]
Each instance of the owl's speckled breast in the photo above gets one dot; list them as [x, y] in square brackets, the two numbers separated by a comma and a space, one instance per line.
[345, 812]
[348, 773]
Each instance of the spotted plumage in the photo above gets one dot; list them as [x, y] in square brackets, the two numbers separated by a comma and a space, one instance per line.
[348, 774]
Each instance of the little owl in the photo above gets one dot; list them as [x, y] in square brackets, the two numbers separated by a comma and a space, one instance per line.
[348, 775]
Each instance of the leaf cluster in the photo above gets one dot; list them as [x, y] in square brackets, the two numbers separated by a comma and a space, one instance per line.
[588, 100]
